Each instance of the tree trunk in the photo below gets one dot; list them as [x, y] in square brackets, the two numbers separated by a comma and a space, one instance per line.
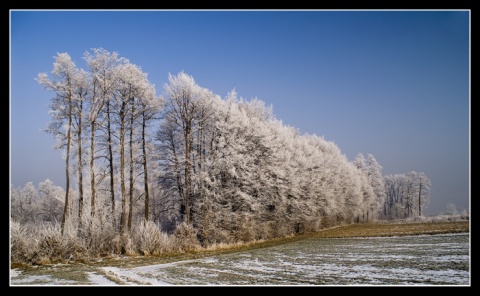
[67, 164]
[92, 168]
[145, 170]
[420, 200]
[123, 218]
[188, 165]
[110, 160]
[80, 165]
[130, 211]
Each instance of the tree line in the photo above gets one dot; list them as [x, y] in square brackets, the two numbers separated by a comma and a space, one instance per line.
[227, 167]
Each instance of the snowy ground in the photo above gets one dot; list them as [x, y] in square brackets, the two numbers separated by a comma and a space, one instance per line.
[413, 260]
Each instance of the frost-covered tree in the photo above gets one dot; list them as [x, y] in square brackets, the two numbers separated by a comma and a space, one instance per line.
[185, 107]
[143, 108]
[62, 111]
[422, 186]
[51, 201]
[23, 203]
[151, 105]
[169, 155]
[375, 177]
[113, 97]
[123, 95]
[17, 204]
[451, 209]
[103, 66]
[250, 175]
[406, 194]
[132, 87]
[29, 205]
[373, 172]
[81, 90]
[225, 168]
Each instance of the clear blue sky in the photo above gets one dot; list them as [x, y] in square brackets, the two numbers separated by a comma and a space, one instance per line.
[395, 84]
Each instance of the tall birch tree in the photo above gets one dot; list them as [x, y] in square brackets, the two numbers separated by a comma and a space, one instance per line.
[103, 69]
[61, 110]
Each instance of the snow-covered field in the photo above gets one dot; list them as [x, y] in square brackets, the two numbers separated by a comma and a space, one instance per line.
[412, 260]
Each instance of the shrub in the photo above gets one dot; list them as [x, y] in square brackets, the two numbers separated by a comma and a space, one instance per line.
[128, 245]
[150, 240]
[185, 238]
[20, 246]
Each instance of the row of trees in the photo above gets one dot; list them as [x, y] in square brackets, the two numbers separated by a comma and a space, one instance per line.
[33, 205]
[406, 194]
[225, 166]
[95, 115]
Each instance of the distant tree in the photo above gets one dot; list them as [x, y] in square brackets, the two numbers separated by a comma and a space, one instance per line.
[422, 185]
[373, 172]
[51, 201]
[16, 204]
[23, 203]
[406, 194]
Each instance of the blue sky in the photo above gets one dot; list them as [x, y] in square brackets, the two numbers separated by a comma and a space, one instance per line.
[395, 84]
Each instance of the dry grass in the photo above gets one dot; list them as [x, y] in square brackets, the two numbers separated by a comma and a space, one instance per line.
[395, 229]
[355, 230]
[76, 273]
